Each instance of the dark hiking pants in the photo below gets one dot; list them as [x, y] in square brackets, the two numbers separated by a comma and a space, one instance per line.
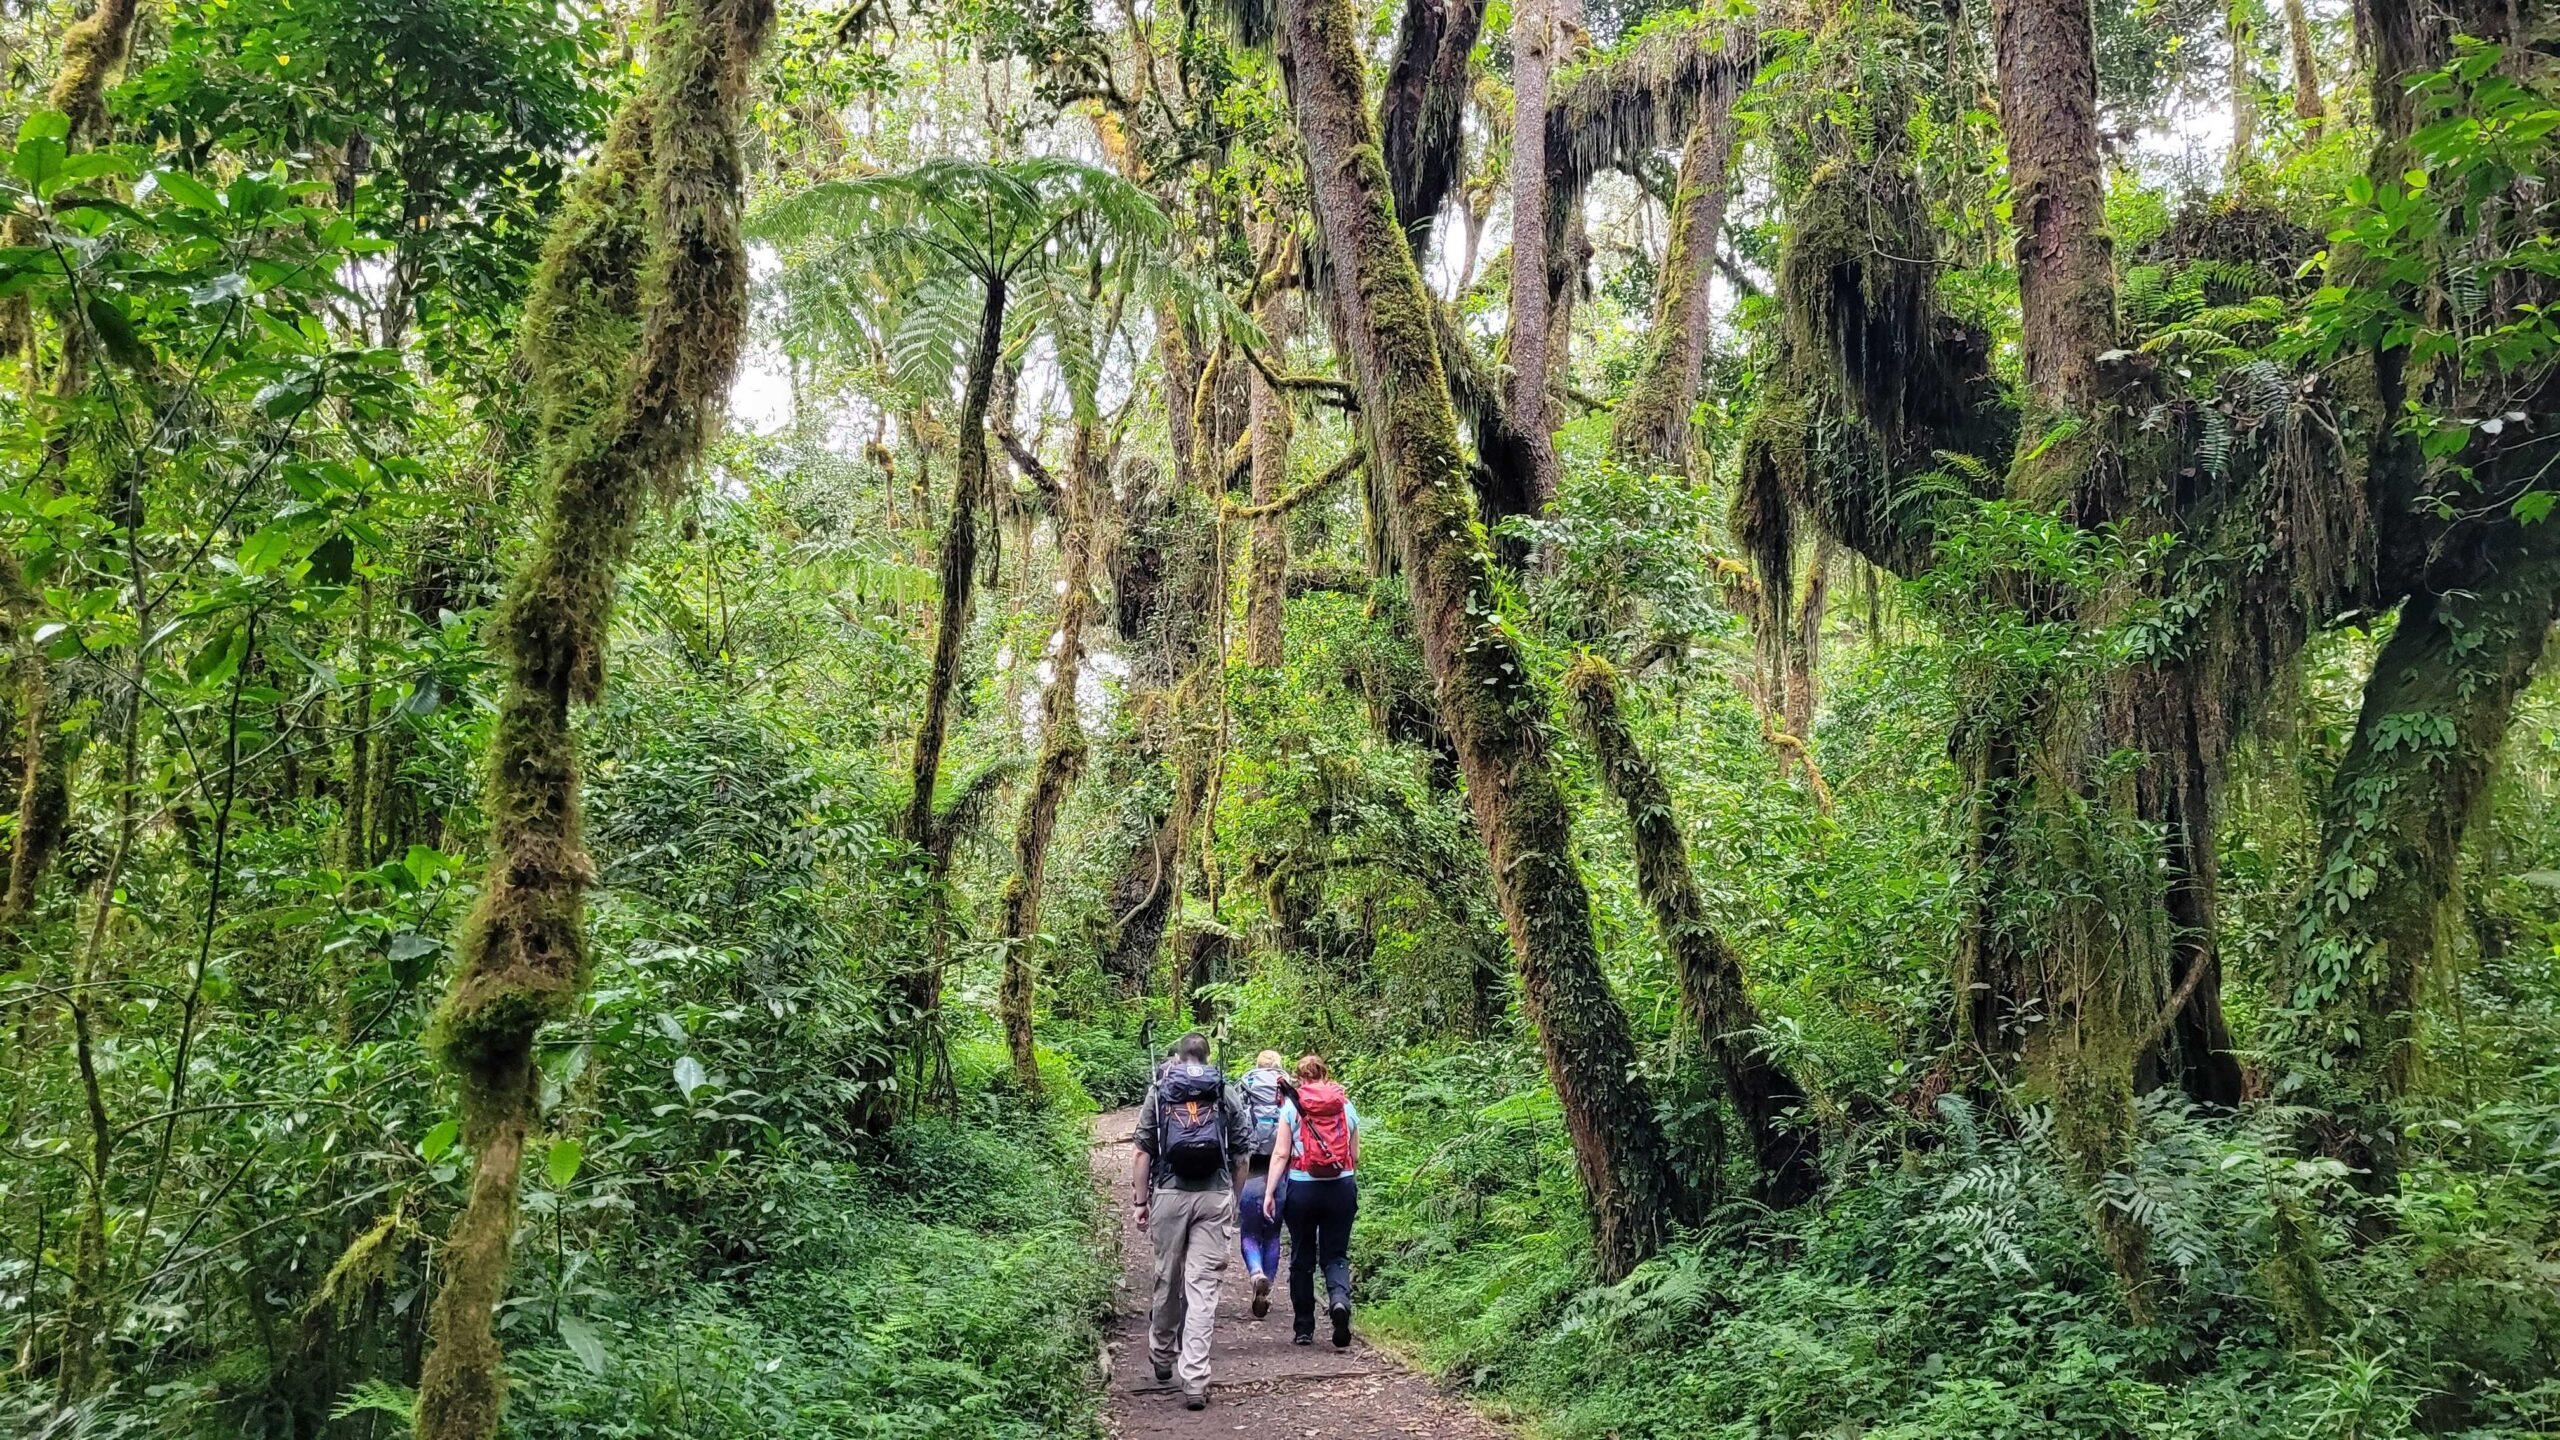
[1319, 1213]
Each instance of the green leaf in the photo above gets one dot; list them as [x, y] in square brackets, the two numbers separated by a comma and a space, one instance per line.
[2533, 505]
[563, 1162]
[183, 189]
[333, 560]
[115, 332]
[439, 1140]
[690, 1076]
[582, 1341]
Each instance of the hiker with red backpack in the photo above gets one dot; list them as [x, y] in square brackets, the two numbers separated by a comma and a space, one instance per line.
[1316, 1150]
[1188, 1161]
[1262, 1093]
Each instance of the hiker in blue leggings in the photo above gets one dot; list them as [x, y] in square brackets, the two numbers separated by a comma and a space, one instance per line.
[1316, 1149]
[1260, 1095]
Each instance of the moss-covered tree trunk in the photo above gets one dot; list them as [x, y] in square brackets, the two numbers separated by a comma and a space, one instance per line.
[955, 569]
[1486, 700]
[2373, 925]
[1062, 756]
[1651, 426]
[2078, 966]
[1266, 586]
[1712, 990]
[1533, 54]
[632, 333]
[2304, 71]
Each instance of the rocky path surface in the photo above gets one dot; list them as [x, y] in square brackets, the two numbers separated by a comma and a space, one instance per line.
[1261, 1386]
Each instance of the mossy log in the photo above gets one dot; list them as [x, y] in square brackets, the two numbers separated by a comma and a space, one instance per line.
[632, 335]
[1484, 694]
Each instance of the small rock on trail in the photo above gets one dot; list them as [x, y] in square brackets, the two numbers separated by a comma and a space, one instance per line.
[1261, 1385]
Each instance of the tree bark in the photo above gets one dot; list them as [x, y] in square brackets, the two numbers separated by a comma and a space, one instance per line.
[2308, 107]
[1486, 700]
[1062, 755]
[2373, 924]
[2046, 53]
[1267, 578]
[1712, 990]
[1804, 646]
[1652, 423]
[1533, 49]
[1420, 113]
[956, 569]
[2242, 36]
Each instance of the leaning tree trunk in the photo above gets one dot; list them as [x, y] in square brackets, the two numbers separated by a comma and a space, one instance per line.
[1487, 702]
[2373, 924]
[1062, 754]
[1651, 426]
[1712, 991]
[652, 234]
[1533, 47]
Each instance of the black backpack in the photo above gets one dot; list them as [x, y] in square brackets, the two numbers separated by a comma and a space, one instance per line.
[1191, 1121]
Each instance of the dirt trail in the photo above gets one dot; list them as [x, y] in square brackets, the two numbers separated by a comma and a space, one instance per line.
[1261, 1386]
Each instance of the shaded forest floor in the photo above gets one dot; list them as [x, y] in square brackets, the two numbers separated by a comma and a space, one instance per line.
[1261, 1384]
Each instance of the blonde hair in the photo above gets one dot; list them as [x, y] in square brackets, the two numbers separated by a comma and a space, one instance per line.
[1311, 1068]
[1268, 1060]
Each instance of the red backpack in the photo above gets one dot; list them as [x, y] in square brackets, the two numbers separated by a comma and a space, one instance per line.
[1324, 1130]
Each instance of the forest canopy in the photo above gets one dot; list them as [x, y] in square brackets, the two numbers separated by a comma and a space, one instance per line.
[1873, 672]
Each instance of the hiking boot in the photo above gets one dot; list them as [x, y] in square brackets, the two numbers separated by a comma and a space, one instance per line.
[1196, 1400]
[1261, 1296]
[1341, 1327]
[1164, 1372]
[1303, 1337]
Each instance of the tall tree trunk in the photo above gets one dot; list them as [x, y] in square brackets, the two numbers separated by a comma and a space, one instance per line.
[651, 234]
[2242, 37]
[1652, 422]
[2075, 971]
[956, 568]
[1712, 991]
[1062, 754]
[1533, 50]
[2046, 53]
[2308, 107]
[1486, 699]
[1267, 578]
[1421, 113]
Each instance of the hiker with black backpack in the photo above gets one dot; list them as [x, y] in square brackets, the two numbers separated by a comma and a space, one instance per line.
[1188, 1163]
[1261, 1095]
[1315, 1151]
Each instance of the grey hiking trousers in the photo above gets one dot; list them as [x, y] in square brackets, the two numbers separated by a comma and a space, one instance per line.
[1193, 1231]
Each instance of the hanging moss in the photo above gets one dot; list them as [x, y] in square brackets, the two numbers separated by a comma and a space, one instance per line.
[632, 335]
